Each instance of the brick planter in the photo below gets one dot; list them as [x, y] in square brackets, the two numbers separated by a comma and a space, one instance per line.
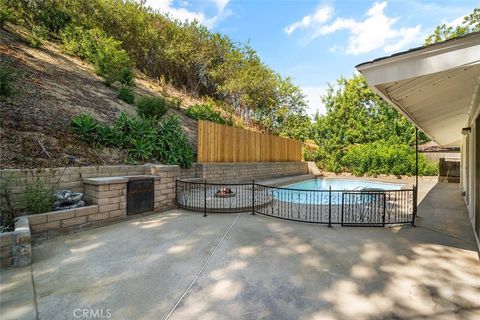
[15, 246]
[50, 224]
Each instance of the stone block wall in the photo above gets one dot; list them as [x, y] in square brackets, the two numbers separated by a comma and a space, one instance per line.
[246, 171]
[109, 202]
[72, 177]
[109, 194]
[62, 178]
[15, 246]
[165, 184]
[51, 224]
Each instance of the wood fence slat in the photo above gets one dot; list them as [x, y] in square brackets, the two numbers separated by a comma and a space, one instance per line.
[219, 143]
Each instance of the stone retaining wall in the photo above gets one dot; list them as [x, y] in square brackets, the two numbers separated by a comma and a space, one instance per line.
[47, 225]
[72, 177]
[108, 196]
[15, 246]
[165, 186]
[62, 178]
[246, 171]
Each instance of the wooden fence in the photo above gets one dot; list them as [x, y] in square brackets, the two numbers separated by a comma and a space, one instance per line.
[449, 170]
[219, 143]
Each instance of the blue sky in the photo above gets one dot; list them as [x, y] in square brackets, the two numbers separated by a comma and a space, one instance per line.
[316, 42]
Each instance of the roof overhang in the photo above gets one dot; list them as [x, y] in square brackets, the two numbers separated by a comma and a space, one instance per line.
[435, 87]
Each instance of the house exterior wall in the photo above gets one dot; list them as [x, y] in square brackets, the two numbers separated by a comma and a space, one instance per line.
[477, 178]
[470, 175]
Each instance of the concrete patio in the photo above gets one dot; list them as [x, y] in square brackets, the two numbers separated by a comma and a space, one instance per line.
[228, 266]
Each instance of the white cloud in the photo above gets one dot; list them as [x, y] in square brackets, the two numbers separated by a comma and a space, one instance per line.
[405, 37]
[313, 95]
[320, 16]
[375, 31]
[221, 4]
[455, 22]
[167, 7]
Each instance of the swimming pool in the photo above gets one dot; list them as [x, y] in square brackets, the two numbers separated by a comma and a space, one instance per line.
[342, 184]
[301, 192]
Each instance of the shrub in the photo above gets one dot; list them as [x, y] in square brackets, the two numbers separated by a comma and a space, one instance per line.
[383, 157]
[133, 128]
[206, 112]
[126, 76]
[37, 36]
[111, 62]
[109, 136]
[141, 148]
[426, 168]
[173, 146]
[7, 14]
[7, 208]
[6, 75]
[152, 106]
[144, 138]
[38, 199]
[86, 126]
[126, 94]
[105, 53]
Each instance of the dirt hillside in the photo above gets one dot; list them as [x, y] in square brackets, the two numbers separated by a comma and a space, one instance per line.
[49, 88]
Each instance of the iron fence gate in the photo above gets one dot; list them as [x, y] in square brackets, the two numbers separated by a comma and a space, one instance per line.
[363, 209]
[330, 207]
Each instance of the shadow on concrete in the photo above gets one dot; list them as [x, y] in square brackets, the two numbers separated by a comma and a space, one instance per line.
[443, 210]
[297, 271]
[265, 268]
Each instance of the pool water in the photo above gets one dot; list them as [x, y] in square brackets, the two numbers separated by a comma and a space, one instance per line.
[342, 184]
[339, 186]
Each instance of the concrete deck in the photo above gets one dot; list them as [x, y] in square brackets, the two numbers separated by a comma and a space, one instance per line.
[228, 266]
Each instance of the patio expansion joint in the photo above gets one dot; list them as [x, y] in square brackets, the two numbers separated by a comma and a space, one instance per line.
[201, 269]
[35, 304]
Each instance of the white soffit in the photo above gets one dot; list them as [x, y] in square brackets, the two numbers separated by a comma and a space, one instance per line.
[435, 86]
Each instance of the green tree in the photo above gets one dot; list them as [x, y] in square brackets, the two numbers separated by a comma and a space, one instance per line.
[471, 23]
[356, 116]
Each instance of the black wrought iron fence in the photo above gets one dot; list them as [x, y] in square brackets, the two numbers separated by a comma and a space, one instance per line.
[214, 197]
[341, 207]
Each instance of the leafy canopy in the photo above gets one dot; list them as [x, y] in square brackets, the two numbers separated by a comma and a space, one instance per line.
[357, 120]
[471, 23]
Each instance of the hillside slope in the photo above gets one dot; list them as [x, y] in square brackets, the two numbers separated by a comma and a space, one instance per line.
[49, 89]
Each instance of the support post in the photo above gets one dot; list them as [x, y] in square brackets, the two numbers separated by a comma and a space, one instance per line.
[330, 206]
[416, 156]
[416, 176]
[204, 197]
[414, 215]
[253, 197]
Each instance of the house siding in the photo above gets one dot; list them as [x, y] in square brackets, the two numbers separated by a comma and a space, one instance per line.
[470, 175]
